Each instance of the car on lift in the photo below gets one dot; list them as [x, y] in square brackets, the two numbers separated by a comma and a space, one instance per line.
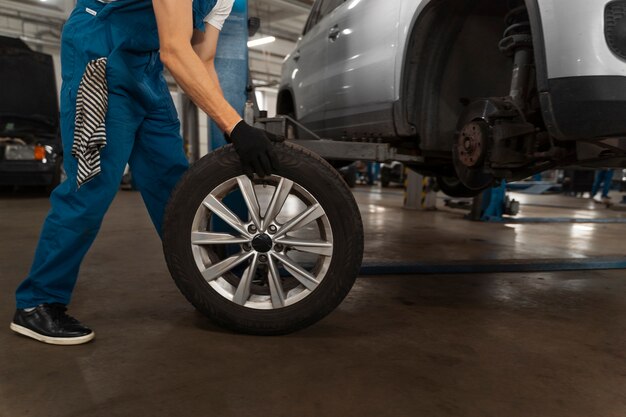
[470, 90]
[479, 90]
[31, 152]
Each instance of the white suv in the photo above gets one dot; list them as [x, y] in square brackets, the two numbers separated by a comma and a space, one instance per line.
[479, 89]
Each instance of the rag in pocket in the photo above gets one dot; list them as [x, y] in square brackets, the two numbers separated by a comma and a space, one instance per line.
[90, 129]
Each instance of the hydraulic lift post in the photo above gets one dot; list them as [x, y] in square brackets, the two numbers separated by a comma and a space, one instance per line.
[334, 149]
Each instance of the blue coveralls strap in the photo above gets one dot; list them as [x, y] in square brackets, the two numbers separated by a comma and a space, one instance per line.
[142, 129]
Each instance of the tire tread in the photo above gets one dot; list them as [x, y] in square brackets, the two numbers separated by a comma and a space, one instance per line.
[272, 322]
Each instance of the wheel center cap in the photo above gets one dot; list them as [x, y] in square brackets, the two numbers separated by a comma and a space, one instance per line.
[262, 243]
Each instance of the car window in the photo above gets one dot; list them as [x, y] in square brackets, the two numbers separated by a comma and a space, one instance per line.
[320, 9]
[327, 7]
[312, 20]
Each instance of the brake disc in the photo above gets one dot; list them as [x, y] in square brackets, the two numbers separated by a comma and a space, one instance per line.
[470, 154]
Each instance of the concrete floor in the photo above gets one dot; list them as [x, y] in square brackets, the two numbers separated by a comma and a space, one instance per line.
[544, 344]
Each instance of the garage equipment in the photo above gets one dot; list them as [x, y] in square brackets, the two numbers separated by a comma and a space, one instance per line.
[378, 268]
[392, 172]
[492, 204]
[535, 187]
[419, 192]
[348, 150]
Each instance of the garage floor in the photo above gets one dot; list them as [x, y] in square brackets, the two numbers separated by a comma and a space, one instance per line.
[543, 344]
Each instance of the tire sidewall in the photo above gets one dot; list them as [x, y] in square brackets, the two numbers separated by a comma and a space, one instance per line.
[455, 188]
[319, 179]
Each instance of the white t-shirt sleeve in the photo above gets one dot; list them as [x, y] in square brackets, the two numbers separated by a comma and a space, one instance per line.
[220, 13]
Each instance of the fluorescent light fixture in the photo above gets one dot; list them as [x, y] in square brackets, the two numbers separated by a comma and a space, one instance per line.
[261, 41]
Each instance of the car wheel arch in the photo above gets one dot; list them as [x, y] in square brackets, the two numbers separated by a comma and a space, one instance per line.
[416, 93]
[285, 103]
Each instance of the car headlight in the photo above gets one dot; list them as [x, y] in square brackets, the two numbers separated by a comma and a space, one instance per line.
[25, 153]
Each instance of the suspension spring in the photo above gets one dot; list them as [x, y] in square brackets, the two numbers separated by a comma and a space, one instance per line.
[517, 35]
[517, 42]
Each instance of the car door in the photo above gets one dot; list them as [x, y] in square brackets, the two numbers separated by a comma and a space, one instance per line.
[362, 38]
[307, 76]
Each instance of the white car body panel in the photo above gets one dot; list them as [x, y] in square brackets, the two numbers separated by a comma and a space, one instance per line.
[409, 12]
[356, 80]
[360, 70]
[305, 84]
[574, 39]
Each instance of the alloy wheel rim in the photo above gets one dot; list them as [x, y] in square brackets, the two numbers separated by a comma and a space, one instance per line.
[276, 257]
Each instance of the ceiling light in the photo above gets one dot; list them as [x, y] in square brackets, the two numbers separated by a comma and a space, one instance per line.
[261, 41]
[353, 4]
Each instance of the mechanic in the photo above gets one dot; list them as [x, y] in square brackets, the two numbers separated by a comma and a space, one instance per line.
[116, 109]
[603, 177]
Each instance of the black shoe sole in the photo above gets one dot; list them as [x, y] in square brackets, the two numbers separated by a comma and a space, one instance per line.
[64, 341]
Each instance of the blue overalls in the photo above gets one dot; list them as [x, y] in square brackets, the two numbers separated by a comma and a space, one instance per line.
[142, 129]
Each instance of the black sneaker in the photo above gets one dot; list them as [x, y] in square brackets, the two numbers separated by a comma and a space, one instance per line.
[49, 323]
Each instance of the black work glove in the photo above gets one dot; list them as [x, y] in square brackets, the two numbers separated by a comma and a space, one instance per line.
[255, 150]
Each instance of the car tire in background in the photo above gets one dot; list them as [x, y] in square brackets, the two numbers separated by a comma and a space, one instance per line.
[385, 176]
[349, 174]
[58, 177]
[453, 187]
[282, 264]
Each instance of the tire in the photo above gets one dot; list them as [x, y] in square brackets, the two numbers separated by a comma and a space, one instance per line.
[349, 175]
[453, 187]
[385, 176]
[261, 311]
[58, 177]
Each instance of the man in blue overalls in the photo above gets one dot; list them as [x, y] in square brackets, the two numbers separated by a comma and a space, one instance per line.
[127, 42]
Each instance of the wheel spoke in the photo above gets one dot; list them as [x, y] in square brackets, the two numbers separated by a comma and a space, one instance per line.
[278, 201]
[225, 214]
[283, 278]
[276, 287]
[298, 272]
[243, 290]
[220, 268]
[249, 196]
[213, 238]
[318, 247]
[307, 216]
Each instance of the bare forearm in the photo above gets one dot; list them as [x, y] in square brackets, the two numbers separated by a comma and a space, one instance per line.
[202, 86]
[210, 67]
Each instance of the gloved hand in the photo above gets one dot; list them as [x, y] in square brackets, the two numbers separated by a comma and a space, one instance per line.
[255, 150]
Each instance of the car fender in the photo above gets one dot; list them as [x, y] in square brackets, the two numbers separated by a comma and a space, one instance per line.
[286, 89]
[410, 15]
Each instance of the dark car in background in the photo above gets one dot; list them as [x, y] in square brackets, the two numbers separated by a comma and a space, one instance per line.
[30, 144]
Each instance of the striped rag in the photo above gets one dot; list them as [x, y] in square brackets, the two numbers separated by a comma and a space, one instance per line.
[90, 130]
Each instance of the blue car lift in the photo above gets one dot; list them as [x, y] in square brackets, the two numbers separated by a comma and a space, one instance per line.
[232, 67]
[492, 205]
